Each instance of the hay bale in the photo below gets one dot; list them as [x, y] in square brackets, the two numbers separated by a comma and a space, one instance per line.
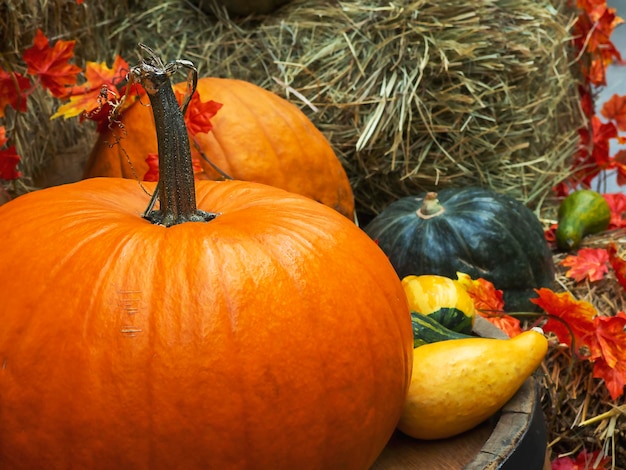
[413, 95]
[420, 95]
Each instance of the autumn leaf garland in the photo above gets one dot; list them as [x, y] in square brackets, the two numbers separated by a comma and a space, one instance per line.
[598, 338]
[47, 66]
[102, 94]
[592, 39]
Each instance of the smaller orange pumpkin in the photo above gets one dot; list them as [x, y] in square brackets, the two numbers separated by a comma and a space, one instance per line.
[257, 136]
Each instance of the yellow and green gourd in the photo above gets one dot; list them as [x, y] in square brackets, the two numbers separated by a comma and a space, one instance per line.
[443, 299]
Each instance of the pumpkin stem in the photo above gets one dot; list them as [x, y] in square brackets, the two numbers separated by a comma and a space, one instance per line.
[176, 189]
[430, 207]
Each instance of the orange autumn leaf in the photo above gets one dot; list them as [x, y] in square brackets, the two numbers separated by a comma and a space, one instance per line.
[506, 323]
[484, 294]
[611, 338]
[604, 20]
[569, 319]
[591, 263]
[51, 64]
[615, 110]
[592, 33]
[489, 304]
[99, 88]
[594, 8]
[618, 264]
[617, 205]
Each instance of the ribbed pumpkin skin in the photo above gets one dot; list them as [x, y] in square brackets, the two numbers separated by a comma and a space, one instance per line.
[257, 136]
[276, 336]
[481, 233]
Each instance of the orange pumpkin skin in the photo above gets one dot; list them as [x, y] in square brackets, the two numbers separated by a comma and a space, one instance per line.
[276, 336]
[257, 136]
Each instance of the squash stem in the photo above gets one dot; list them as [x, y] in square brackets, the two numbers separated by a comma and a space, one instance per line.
[430, 207]
[176, 185]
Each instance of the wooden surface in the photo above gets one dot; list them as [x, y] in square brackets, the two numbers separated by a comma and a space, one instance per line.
[405, 453]
[493, 445]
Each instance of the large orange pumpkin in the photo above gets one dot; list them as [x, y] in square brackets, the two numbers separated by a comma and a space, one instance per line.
[257, 136]
[275, 335]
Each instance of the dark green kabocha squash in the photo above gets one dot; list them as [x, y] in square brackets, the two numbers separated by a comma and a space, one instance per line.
[472, 230]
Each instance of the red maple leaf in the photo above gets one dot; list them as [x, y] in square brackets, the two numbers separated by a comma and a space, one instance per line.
[611, 338]
[615, 110]
[569, 319]
[584, 461]
[14, 89]
[617, 204]
[602, 134]
[8, 164]
[153, 167]
[592, 33]
[613, 376]
[199, 113]
[618, 264]
[51, 64]
[489, 304]
[619, 162]
[594, 151]
[3, 136]
[550, 235]
[610, 360]
[591, 263]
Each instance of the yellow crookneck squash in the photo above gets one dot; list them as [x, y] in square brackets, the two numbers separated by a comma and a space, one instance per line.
[235, 326]
[257, 136]
[458, 384]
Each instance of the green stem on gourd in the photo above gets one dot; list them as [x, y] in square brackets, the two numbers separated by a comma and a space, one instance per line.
[176, 185]
[430, 207]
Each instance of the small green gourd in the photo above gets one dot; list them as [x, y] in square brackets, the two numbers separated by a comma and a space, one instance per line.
[427, 330]
[581, 213]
